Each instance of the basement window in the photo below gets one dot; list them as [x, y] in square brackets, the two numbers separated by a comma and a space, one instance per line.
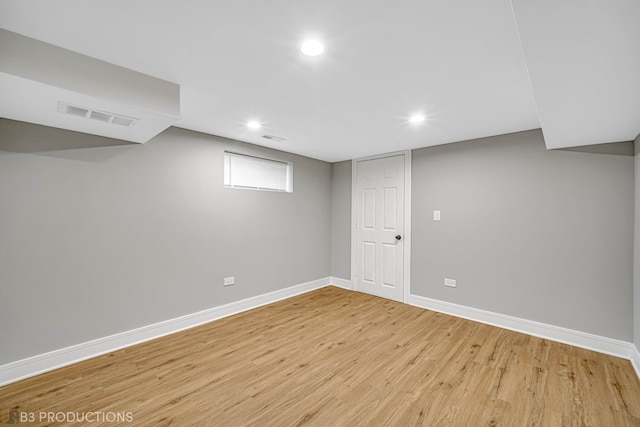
[257, 173]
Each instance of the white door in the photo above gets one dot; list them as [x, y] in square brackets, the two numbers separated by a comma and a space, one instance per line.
[379, 222]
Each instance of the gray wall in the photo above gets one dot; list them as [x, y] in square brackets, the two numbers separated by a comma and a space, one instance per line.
[541, 235]
[341, 220]
[636, 252]
[99, 237]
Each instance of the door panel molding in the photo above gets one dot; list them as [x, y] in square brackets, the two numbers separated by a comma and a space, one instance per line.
[406, 236]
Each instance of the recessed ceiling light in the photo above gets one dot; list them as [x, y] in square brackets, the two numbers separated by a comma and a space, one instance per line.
[417, 118]
[254, 125]
[312, 47]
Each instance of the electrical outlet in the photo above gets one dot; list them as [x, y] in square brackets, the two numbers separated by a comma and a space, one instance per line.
[436, 215]
[228, 281]
[450, 282]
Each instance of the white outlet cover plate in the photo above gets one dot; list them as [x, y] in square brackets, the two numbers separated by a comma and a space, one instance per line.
[450, 282]
[436, 215]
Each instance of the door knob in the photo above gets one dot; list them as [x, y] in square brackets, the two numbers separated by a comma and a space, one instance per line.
[398, 237]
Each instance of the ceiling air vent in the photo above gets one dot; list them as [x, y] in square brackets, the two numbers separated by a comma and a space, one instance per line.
[273, 137]
[96, 115]
[101, 116]
[75, 111]
[122, 121]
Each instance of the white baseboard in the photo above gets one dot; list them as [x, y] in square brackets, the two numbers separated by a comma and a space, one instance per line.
[635, 359]
[597, 343]
[25, 368]
[21, 369]
[340, 283]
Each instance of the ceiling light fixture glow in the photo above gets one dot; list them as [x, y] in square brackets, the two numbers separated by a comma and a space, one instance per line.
[254, 125]
[312, 47]
[417, 118]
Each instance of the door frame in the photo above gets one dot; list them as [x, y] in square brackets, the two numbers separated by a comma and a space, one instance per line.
[406, 267]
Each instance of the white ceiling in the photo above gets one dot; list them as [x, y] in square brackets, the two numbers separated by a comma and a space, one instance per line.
[576, 72]
[583, 58]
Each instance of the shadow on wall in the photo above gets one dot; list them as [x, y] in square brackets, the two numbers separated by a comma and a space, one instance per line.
[27, 138]
[615, 148]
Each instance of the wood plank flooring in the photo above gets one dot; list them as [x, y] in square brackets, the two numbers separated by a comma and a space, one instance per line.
[339, 358]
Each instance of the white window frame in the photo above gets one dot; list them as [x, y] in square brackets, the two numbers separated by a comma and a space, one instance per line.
[228, 171]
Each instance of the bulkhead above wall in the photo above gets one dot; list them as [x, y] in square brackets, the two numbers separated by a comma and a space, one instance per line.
[48, 85]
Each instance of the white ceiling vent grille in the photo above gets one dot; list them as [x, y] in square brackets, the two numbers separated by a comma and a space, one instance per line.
[122, 121]
[75, 111]
[101, 116]
[273, 137]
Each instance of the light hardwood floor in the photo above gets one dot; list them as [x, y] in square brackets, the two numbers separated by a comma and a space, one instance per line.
[339, 358]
